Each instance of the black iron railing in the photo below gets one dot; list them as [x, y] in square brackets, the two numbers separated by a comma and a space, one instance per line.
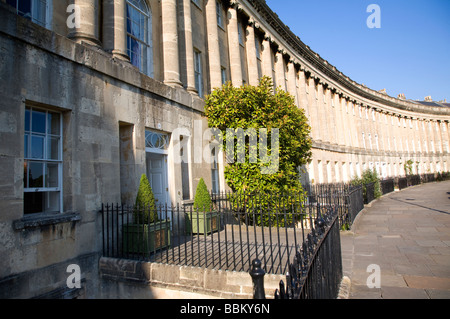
[235, 230]
[316, 272]
[355, 202]
[369, 192]
[387, 186]
[228, 236]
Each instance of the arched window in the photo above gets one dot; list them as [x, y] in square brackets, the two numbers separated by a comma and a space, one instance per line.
[37, 11]
[139, 36]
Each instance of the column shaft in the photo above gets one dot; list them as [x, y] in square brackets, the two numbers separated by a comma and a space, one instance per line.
[234, 50]
[170, 43]
[279, 70]
[251, 56]
[292, 81]
[266, 58]
[114, 28]
[89, 22]
[189, 56]
[213, 45]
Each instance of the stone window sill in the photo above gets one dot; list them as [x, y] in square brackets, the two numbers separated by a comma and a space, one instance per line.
[40, 220]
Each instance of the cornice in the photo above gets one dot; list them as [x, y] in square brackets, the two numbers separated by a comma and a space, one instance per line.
[320, 65]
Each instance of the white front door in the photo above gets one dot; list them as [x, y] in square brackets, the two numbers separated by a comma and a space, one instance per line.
[157, 176]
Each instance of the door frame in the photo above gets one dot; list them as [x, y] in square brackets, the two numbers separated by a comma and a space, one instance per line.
[166, 172]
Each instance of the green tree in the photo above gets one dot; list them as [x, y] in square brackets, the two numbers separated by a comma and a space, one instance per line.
[367, 177]
[202, 200]
[408, 166]
[267, 115]
[145, 207]
[257, 107]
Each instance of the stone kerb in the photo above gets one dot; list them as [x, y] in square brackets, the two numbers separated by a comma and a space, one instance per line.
[202, 281]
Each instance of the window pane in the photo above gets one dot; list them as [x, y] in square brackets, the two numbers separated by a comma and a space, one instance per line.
[138, 35]
[39, 202]
[53, 123]
[25, 146]
[36, 178]
[33, 202]
[38, 122]
[25, 174]
[27, 120]
[135, 56]
[53, 148]
[51, 178]
[37, 147]
[51, 202]
[185, 180]
[24, 8]
[39, 8]
[12, 3]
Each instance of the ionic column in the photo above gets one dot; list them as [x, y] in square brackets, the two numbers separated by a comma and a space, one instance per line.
[89, 22]
[314, 112]
[445, 136]
[440, 137]
[302, 96]
[190, 76]
[251, 55]
[234, 50]
[292, 81]
[279, 70]
[115, 29]
[213, 45]
[170, 43]
[339, 122]
[266, 58]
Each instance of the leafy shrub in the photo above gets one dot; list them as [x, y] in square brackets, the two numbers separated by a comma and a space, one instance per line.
[408, 167]
[367, 177]
[202, 200]
[258, 108]
[145, 207]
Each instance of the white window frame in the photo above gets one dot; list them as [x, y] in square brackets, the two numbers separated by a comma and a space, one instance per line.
[148, 56]
[223, 74]
[240, 34]
[215, 172]
[198, 72]
[219, 14]
[45, 160]
[47, 19]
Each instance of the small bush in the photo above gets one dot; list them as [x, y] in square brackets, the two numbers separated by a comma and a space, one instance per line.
[202, 200]
[368, 176]
[145, 207]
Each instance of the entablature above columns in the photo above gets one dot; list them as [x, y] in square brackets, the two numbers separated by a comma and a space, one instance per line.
[309, 62]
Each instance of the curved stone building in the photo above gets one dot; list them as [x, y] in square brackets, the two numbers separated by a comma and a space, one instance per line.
[96, 93]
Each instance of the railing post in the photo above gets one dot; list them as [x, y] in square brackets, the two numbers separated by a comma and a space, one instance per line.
[257, 274]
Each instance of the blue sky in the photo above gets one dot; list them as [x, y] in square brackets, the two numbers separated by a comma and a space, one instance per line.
[409, 54]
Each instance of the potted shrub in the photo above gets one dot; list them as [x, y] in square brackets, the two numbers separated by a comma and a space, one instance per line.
[202, 219]
[147, 233]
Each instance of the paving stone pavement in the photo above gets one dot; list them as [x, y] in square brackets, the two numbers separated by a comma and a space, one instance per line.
[405, 238]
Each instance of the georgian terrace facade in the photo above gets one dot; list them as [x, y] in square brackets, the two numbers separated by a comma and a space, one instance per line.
[198, 45]
[90, 104]
[202, 44]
